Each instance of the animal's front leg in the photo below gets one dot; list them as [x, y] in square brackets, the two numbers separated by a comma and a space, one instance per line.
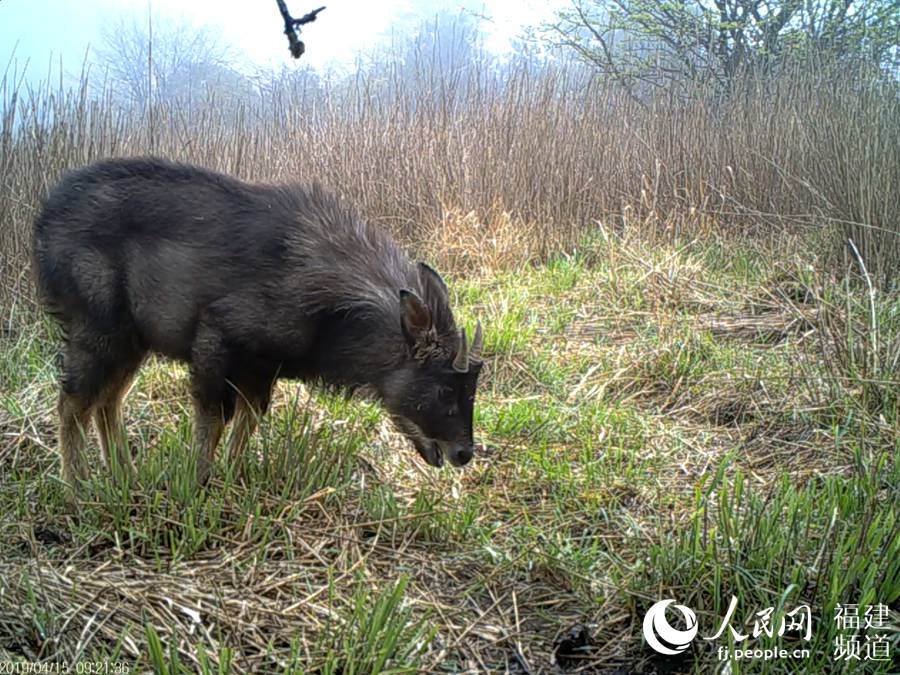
[208, 426]
[253, 396]
[214, 399]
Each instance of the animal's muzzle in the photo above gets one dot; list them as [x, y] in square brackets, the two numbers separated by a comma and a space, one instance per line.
[458, 454]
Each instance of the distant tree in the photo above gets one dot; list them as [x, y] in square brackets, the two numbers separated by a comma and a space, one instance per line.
[448, 41]
[429, 53]
[654, 41]
[165, 59]
[425, 43]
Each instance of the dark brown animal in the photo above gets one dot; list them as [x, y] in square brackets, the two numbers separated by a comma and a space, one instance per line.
[247, 284]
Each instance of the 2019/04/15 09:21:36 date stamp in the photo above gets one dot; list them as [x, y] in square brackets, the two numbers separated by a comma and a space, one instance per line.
[63, 667]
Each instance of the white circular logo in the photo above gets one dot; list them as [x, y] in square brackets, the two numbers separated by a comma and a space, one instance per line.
[661, 636]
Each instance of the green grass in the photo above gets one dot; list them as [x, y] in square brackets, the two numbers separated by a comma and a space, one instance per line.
[641, 443]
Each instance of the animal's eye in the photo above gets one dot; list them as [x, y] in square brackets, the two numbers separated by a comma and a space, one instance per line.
[445, 392]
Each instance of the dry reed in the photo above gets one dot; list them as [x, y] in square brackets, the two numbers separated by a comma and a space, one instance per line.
[539, 153]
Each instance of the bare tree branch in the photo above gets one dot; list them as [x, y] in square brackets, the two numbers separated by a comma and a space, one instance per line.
[292, 27]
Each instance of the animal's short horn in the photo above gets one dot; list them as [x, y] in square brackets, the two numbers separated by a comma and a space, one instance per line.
[477, 343]
[461, 362]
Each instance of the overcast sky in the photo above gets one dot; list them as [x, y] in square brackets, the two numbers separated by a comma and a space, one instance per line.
[41, 29]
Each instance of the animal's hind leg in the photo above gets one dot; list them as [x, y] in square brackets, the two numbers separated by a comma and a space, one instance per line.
[85, 373]
[108, 415]
[74, 421]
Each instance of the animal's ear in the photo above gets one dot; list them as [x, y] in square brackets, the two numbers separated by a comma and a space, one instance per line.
[432, 280]
[415, 317]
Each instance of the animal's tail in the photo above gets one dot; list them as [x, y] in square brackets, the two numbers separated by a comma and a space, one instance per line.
[41, 267]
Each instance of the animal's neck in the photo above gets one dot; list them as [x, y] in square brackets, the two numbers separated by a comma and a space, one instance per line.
[356, 350]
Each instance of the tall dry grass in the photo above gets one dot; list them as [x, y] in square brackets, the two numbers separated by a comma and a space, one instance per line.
[525, 158]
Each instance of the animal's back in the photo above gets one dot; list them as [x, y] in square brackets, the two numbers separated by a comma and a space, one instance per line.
[145, 245]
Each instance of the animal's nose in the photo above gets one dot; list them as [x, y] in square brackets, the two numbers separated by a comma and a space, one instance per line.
[461, 455]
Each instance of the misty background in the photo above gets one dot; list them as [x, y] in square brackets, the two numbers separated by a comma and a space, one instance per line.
[246, 37]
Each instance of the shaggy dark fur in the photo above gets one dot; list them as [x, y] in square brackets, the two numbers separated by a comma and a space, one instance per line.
[247, 284]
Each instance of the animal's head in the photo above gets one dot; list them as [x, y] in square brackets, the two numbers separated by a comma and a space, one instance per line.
[431, 397]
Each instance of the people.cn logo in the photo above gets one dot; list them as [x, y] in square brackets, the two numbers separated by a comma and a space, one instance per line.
[659, 633]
